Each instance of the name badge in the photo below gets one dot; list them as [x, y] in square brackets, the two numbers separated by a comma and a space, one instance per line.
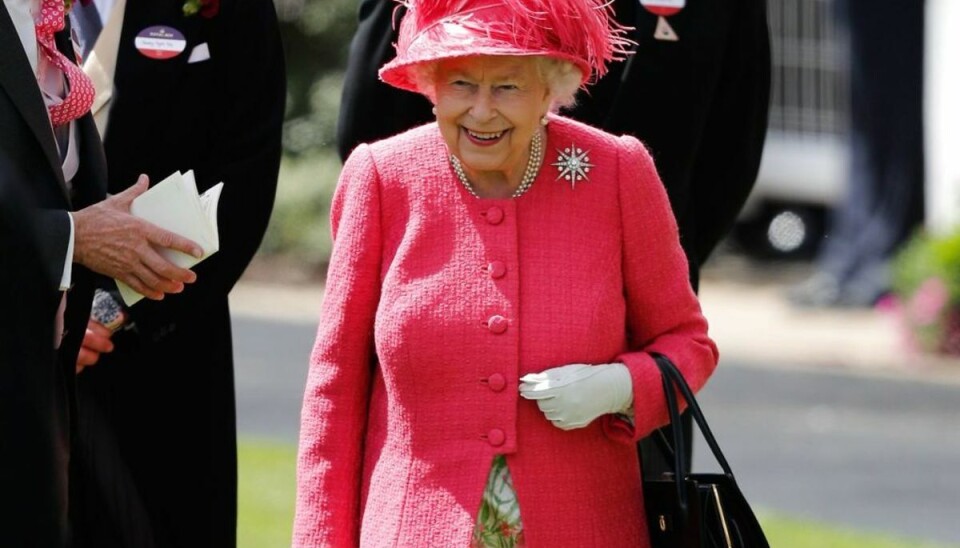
[160, 42]
[666, 8]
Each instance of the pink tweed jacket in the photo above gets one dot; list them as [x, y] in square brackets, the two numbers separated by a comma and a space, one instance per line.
[436, 302]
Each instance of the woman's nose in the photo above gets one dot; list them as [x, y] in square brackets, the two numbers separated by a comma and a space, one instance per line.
[483, 108]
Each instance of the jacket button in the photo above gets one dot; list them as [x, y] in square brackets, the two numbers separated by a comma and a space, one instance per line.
[496, 437]
[497, 382]
[497, 324]
[494, 215]
[497, 269]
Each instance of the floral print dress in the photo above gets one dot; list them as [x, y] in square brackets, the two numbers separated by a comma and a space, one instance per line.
[498, 522]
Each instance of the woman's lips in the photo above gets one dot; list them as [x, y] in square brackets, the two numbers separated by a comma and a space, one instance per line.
[484, 138]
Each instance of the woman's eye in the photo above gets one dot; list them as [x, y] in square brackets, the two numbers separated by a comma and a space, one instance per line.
[508, 87]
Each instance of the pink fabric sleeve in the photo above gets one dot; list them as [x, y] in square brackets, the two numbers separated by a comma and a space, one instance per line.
[663, 313]
[334, 415]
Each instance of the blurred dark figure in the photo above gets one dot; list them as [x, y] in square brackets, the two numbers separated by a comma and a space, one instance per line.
[884, 202]
[699, 103]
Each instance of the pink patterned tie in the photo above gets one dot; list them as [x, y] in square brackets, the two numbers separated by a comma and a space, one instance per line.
[80, 90]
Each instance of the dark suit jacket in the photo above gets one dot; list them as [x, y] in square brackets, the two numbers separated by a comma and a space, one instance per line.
[700, 104]
[158, 425]
[36, 383]
[32, 454]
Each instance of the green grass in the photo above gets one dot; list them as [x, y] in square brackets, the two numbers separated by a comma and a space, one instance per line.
[268, 487]
[783, 532]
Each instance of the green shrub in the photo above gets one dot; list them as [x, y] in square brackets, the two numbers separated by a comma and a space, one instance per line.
[316, 37]
[300, 224]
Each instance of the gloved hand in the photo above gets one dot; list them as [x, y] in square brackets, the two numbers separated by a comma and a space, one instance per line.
[571, 396]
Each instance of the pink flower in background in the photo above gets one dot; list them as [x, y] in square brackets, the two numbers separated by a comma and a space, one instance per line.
[889, 304]
[896, 309]
[950, 344]
[927, 304]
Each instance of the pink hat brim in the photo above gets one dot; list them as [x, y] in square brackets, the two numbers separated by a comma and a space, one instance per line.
[450, 41]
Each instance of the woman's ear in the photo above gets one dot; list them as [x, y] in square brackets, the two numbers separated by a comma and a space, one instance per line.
[547, 102]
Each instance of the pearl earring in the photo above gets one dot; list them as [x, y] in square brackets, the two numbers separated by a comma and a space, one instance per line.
[544, 120]
[434, 111]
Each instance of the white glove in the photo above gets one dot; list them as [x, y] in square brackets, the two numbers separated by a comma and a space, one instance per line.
[571, 396]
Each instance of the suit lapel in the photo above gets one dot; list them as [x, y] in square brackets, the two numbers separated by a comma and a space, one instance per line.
[18, 80]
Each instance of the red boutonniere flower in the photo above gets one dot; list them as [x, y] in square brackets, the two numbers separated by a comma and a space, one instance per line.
[206, 8]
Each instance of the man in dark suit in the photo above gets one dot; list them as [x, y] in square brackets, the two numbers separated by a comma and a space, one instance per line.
[697, 95]
[46, 171]
[157, 452]
[883, 203]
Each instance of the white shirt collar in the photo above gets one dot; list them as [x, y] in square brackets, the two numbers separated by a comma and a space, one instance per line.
[104, 7]
[23, 13]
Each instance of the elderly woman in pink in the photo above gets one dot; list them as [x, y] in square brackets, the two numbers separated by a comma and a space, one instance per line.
[498, 283]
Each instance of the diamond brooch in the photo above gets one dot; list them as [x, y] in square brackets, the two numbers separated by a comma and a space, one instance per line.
[574, 164]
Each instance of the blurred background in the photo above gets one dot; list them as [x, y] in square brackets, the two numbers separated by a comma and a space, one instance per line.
[840, 422]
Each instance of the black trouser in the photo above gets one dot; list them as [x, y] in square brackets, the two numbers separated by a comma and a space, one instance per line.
[884, 200]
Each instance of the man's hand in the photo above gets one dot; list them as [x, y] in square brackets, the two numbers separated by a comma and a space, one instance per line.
[96, 341]
[108, 240]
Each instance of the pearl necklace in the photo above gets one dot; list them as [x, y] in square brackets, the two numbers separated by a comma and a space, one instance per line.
[529, 174]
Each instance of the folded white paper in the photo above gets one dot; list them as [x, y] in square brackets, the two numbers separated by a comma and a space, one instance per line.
[174, 204]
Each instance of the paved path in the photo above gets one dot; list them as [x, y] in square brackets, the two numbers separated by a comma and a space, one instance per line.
[877, 454]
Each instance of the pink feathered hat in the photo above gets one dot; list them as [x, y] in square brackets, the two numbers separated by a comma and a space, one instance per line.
[580, 31]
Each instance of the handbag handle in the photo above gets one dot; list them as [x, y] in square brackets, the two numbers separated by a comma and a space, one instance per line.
[679, 466]
[672, 378]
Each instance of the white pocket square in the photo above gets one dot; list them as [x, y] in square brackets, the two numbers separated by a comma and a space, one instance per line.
[199, 53]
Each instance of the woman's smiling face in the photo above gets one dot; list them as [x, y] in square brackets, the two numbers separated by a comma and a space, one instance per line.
[488, 109]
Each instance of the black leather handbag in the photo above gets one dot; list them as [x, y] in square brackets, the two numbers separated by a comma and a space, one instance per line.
[686, 510]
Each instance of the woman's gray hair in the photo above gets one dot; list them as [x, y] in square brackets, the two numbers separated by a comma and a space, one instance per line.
[561, 77]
